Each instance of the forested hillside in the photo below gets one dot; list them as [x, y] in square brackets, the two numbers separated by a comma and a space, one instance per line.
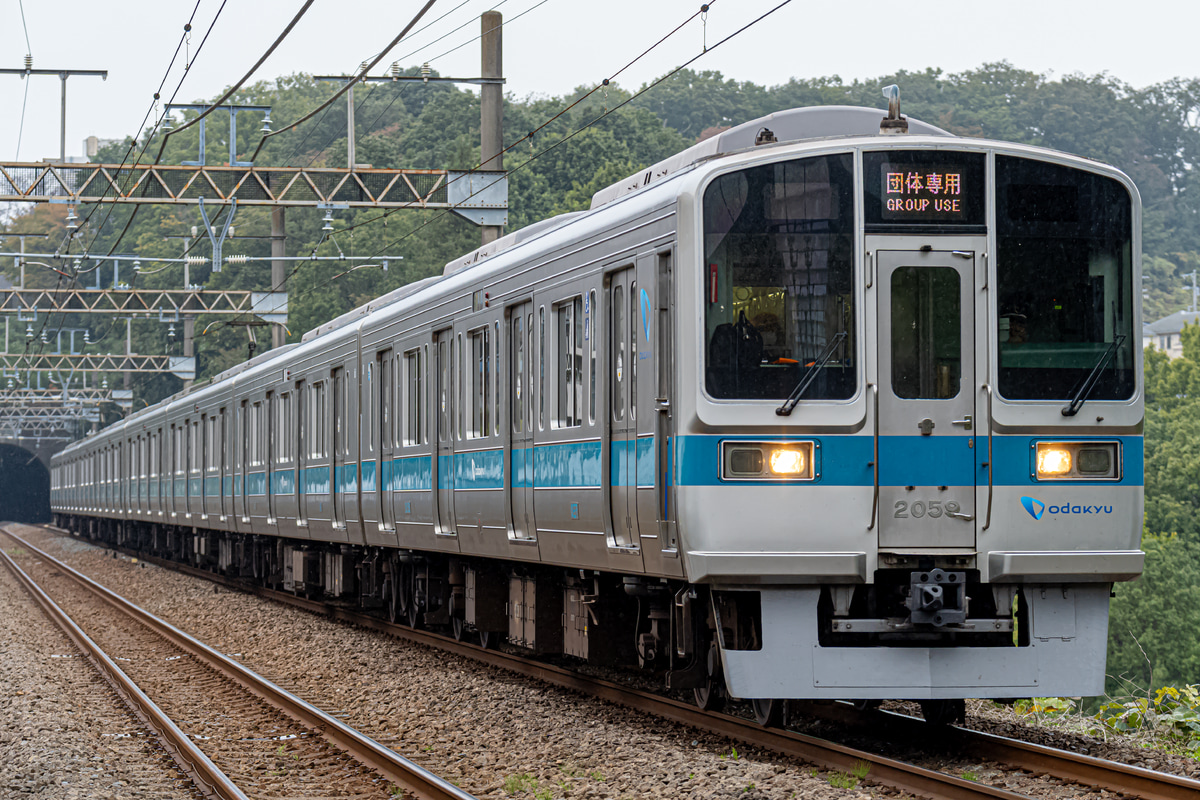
[1149, 132]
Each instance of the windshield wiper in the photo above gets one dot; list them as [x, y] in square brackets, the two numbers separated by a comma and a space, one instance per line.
[1085, 391]
[811, 375]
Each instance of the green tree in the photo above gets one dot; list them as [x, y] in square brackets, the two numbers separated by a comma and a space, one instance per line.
[1154, 624]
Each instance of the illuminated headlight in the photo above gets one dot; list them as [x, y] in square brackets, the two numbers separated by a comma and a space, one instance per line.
[767, 461]
[787, 461]
[1053, 461]
[1074, 461]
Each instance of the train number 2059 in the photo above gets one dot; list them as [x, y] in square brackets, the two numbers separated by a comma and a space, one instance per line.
[921, 508]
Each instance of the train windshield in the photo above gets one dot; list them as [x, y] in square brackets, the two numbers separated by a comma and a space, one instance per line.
[1064, 282]
[778, 276]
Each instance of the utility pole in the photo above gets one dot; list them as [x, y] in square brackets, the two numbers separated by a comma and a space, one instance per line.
[278, 252]
[62, 74]
[491, 104]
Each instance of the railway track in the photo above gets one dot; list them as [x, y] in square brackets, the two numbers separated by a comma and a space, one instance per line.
[1064, 765]
[235, 734]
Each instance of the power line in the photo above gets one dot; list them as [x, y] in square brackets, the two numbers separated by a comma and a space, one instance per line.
[363, 71]
[278, 41]
[530, 135]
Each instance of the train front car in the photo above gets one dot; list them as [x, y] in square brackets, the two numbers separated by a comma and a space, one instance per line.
[912, 463]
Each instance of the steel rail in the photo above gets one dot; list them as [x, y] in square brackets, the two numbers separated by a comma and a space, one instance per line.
[413, 777]
[210, 780]
[826, 754]
[1063, 764]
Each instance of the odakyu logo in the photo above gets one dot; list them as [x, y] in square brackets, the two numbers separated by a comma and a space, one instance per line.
[1037, 508]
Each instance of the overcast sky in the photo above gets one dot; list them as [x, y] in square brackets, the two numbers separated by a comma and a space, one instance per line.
[558, 45]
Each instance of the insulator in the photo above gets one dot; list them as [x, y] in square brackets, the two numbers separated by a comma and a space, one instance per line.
[266, 126]
[239, 259]
[45, 336]
[396, 70]
[28, 61]
[29, 331]
[196, 261]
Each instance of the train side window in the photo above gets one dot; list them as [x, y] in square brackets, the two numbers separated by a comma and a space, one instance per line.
[414, 374]
[498, 383]
[541, 368]
[518, 372]
[459, 378]
[589, 335]
[480, 366]
[569, 327]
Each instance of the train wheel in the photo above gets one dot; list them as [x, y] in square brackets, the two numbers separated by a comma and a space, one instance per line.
[391, 598]
[944, 712]
[489, 640]
[711, 696]
[458, 627]
[768, 712]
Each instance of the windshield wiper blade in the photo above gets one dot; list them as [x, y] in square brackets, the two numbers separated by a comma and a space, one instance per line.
[1085, 391]
[811, 375]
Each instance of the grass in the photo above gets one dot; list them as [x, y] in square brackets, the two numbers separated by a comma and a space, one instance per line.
[515, 784]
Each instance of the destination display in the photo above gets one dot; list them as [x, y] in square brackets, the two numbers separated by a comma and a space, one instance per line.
[924, 193]
[927, 189]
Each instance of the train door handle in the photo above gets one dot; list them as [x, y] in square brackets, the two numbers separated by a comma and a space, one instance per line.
[966, 422]
[963, 517]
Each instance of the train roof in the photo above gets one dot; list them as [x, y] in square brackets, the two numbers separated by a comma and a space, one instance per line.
[792, 125]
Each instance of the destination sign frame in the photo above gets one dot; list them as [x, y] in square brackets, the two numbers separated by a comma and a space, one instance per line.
[924, 188]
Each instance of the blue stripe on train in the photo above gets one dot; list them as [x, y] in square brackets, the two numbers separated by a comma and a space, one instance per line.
[907, 460]
[695, 461]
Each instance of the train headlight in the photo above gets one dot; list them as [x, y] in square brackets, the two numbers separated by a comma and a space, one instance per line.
[1077, 461]
[1053, 461]
[787, 461]
[768, 461]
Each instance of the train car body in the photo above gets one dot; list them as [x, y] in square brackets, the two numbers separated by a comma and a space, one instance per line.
[806, 411]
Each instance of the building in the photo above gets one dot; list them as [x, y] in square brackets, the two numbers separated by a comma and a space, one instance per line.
[1165, 333]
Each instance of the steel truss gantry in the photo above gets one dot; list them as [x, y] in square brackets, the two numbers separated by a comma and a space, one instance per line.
[180, 366]
[167, 305]
[478, 196]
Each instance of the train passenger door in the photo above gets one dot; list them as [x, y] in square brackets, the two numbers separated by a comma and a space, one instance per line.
[338, 480]
[302, 436]
[521, 403]
[272, 455]
[623, 395]
[385, 431]
[444, 395]
[926, 399]
[241, 461]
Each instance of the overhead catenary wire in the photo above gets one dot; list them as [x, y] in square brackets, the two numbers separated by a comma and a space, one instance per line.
[309, 132]
[396, 95]
[607, 112]
[363, 71]
[703, 9]
[606, 82]
[186, 32]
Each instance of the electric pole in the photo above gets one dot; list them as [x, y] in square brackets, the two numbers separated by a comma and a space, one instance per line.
[491, 104]
[62, 74]
[278, 252]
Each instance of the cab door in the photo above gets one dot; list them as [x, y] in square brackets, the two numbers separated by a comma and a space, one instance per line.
[926, 399]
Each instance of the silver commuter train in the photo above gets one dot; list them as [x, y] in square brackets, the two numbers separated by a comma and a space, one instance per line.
[825, 406]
